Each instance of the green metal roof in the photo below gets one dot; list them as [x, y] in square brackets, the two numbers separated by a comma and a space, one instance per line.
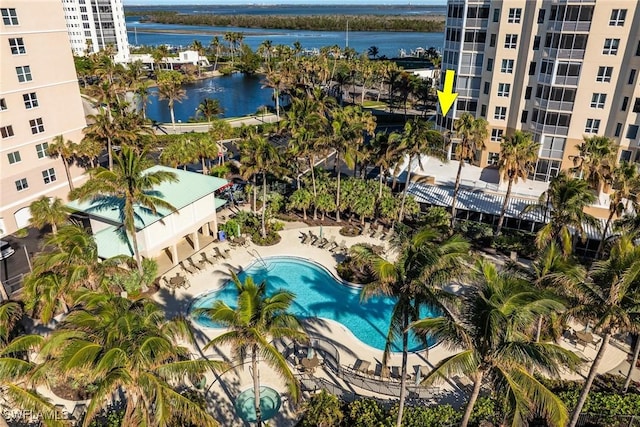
[189, 188]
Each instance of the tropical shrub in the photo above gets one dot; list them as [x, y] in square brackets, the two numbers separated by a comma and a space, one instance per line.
[479, 233]
[519, 241]
[356, 269]
[367, 413]
[436, 217]
[231, 228]
[322, 410]
[428, 416]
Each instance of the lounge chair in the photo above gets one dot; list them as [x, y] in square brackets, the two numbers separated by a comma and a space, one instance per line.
[342, 247]
[313, 239]
[321, 242]
[193, 264]
[304, 237]
[330, 243]
[379, 232]
[207, 259]
[389, 234]
[367, 229]
[187, 268]
[218, 254]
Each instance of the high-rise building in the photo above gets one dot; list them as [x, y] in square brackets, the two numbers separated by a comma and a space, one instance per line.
[558, 69]
[95, 24]
[39, 100]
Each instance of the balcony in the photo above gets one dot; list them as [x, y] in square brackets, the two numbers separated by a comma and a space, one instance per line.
[550, 129]
[545, 104]
[476, 23]
[563, 53]
[469, 93]
[470, 71]
[576, 26]
[476, 47]
[454, 22]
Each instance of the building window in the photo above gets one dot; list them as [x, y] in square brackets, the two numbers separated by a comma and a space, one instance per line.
[496, 15]
[527, 92]
[9, 16]
[604, 74]
[500, 113]
[22, 184]
[532, 68]
[6, 131]
[553, 147]
[632, 77]
[625, 102]
[496, 135]
[636, 106]
[610, 46]
[24, 73]
[507, 66]
[14, 157]
[618, 129]
[638, 51]
[483, 110]
[524, 116]
[546, 169]
[511, 41]
[487, 86]
[541, 14]
[598, 99]
[17, 46]
[632, 131]
[514, 15]
[493, 159]
[492, 40]
[489, 64]
[49, 175]
[617, 17]
[36, 125]
[625, 156]
[30, 100]
[536, 42]
[592, 126]
[3, 104]
[42, 150]
[504, 89]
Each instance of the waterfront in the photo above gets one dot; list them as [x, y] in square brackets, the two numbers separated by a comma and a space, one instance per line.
[238, 94]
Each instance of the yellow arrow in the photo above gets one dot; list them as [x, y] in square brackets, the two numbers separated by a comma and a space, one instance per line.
[447, 97]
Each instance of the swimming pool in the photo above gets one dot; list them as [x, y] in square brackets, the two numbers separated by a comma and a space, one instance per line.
[318, 294]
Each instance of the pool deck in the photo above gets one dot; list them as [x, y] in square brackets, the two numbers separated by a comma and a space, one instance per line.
[230, 384]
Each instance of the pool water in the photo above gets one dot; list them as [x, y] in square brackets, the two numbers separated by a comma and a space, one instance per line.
[270, 402]
[318, 295]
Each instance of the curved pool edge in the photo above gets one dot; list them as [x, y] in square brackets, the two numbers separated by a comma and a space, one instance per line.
[350, 285]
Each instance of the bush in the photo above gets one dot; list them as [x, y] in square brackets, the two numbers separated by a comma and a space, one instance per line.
[322, 410]
[367, 413]
[428, 416]
[479, 233]
[519, 241]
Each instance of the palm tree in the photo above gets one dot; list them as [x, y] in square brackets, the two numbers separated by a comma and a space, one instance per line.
[564, 203]
[66, 150]
[626, 184]
[103, 130]
[419, 139]
[595, 160]
[257, 319]
[259, 155]
[70, 263]
[387, 153]
[209, 109]
[197, 46]
[129, 347]
[47, 211]
[373, 51]
[129, 188]
[141, 92]
[88, 150]
[518, 154]
[488, 331]
[204, 148]
[170, 87]
[472, 133]
[178, 152]
[426, 263]
[216, 45]
[348, 127]
[610, 300]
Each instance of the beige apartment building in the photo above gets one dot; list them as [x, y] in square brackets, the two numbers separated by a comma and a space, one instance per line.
[39, 100]
[558, 69]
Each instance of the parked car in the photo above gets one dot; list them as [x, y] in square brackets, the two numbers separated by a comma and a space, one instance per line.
[6, 250]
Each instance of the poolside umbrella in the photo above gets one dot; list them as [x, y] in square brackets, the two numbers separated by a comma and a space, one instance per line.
[418, 375]
[321, 232]
[238, 229]
[310, 353]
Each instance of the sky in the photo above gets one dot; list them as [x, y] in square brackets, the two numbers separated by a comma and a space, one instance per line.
[261, 2]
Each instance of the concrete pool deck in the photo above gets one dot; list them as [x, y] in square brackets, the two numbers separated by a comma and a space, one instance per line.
[227, 386]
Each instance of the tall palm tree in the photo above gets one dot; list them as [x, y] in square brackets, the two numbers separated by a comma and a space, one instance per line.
[197, 46]
[348, 126]
[595, 160]
[47, 211]
[259, 155]
[178, 152]
[563, 203]
[128, 346]
[387, 153]
[66, 150]
[518, 154]
[215, 45]
[493, 349]
[257, 319]
[170, 88]
[626, 184]
[101, 128]
[141, 93]
[129, 188]
[610, 300]
[419, 139]
[426, 263]
[204, 148]
[472, 133]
